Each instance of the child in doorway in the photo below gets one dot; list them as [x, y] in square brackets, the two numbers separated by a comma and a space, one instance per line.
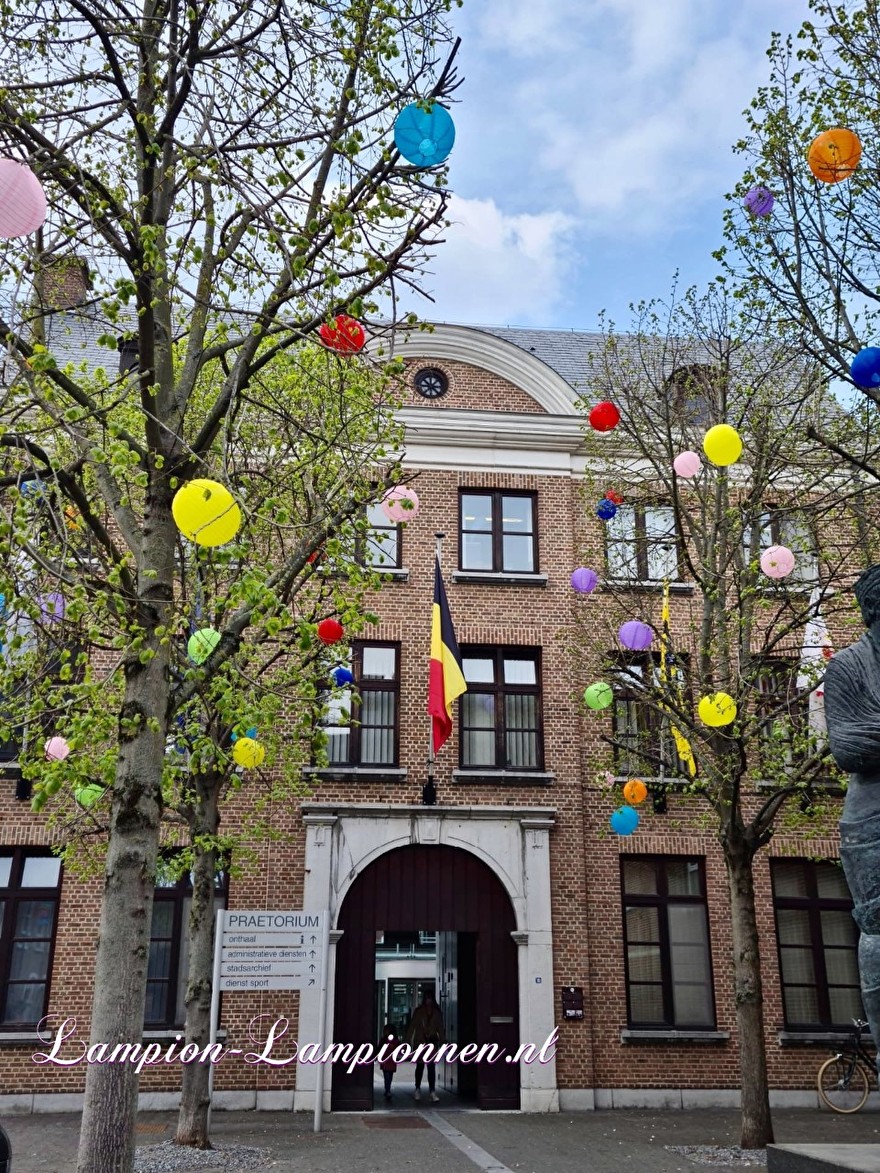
[387, 1065]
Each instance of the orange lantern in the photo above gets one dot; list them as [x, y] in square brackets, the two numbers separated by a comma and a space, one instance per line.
[834, 155]
[635, 791]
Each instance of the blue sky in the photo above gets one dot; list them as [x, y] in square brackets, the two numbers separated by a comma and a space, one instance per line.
[593, 152]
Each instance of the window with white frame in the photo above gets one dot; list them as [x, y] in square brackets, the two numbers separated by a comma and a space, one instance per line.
[641, 544]
[776, 527]
[361, 722]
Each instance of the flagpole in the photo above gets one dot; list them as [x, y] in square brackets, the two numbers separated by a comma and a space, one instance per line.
[429, 791]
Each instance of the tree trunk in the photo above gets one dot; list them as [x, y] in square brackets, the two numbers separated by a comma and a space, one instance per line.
[757, 1126]
[110, 1108]
[192, 1121]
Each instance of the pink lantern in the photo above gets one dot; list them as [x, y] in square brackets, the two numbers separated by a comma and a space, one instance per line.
[687, 464]
[584, 580]
[22, 200]
[56, 749]
[635, 635]
[400, 504]
[777, 561]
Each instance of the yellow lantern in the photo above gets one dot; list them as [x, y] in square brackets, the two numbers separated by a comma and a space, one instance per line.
[834, 155]
[248, 753]
[717, 710]
[206, 512]
[722, 445]
[635, 791]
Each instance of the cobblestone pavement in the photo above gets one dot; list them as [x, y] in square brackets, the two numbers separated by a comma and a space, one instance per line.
[404, 1138]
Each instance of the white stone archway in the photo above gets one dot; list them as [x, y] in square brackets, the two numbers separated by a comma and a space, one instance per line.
[343, 839]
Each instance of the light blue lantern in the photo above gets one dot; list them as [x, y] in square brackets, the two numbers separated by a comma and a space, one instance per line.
[424, 139]
[624, 820]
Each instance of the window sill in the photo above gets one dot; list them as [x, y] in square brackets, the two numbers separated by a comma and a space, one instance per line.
[395, 573]
[499, 578]
[635, 584]
[674, 1036]
[829, 787]
[20, 1038]
[819, 1038]
[356, 773]
[507, 777]
[172, 1034]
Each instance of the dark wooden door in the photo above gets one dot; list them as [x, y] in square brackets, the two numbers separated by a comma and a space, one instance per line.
[432, 889]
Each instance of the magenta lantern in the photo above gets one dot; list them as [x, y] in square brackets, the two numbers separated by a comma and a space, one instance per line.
[56, 749]
[777, 561]
[400, 504]
[635, 635]
[687, 464]
[584, 580]
[22, 200]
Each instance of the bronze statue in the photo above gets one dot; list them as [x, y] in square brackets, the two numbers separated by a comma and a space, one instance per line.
[852, 710]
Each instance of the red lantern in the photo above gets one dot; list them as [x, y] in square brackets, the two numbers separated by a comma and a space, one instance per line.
[346, 336]
[330, 631]
[614, 496]
[604, 417]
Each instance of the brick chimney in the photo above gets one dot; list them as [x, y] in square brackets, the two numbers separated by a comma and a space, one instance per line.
[65, 283]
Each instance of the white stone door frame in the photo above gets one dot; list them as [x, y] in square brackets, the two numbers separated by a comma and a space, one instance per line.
[342, 839]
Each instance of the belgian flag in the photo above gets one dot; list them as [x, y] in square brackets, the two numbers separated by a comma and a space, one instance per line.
[446, 680]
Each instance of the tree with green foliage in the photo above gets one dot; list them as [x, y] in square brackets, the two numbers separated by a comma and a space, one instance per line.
[230, 177]
[810, 268]
[733, 629]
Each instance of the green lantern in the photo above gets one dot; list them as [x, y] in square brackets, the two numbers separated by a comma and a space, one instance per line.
[201, 643]
[599, 695]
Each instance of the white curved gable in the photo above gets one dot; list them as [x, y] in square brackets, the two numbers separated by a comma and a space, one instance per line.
[464, 344]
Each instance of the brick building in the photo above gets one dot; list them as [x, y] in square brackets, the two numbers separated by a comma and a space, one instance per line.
[512, 869]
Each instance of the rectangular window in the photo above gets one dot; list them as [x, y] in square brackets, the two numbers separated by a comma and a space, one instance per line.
[818, 941]
[498, 532]
[380, 545]
[641, 731]
[641, 544]
[666, 943]
[501, 711]
[784, 714]
[362, 721]
[29, 890]
[168, 965]
[776, 527]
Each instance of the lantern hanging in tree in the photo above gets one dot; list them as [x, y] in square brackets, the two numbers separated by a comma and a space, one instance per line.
[424, 137]
[88, 795]
[687, 464]
[598, 695]
[22, 200]
[206, 512]
[52, 607]
[635, 635]
[758, 201]
[635, 791]
[330, 631]
[834, 155]
[722, 444]
[717, 710]
[604, 417]
[345, 335]
[400, 504]
[606, 509]
[56, 749]
[865, 368]
[624, 820]
[201, 644]
[342, 676]
[614, 496]
[248, 753]
[584, 580]
[777, 561]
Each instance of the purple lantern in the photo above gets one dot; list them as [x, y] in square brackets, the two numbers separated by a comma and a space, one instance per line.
[635, 635]
[52, 607]
[584, 580]
[606, 509]
[759, 201]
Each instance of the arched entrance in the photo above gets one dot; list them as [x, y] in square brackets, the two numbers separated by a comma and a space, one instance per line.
[450, 890]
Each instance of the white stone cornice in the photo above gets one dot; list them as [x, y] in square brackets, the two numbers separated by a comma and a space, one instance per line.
[490, 353]
[462, 428]
[384, 810]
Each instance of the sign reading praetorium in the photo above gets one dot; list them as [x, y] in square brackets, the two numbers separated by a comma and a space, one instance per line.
[271, 950]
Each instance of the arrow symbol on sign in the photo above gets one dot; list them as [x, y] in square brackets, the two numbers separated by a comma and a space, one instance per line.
[312, 954]
[313, 940]
[311, 981]
[312, 968]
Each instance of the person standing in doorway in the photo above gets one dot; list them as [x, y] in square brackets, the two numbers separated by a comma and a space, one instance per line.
[426, 1026]
[388, 1066]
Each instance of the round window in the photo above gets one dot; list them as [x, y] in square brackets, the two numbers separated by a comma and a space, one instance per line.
[431, 383]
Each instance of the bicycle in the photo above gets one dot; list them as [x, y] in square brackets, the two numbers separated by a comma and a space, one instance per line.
[843, 1079]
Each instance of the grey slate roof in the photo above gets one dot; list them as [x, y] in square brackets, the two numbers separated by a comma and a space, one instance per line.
[565, 351]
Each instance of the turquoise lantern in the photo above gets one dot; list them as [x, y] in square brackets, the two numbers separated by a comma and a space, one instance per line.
[424, 138]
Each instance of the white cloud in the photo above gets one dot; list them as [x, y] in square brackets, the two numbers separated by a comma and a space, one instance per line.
[499, 268]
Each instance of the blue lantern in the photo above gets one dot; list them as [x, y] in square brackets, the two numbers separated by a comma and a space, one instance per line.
[342, 676]
[33, 488]
[624, 820]
[424, 139]
[606, 509]
[865, 369]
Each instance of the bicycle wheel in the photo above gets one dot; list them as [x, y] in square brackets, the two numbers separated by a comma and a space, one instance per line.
[843, 1084]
